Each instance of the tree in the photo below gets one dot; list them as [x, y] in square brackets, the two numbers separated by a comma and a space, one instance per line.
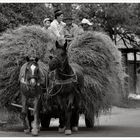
[67, 10]
[14, 14]
[116, 19]
[56, 6]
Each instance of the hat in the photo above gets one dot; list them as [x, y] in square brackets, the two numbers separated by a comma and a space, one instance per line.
[47, 19]
[86, 21]
[57, 13]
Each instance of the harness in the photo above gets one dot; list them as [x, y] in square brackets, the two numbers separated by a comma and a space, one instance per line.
[24, 81]
[54, 82]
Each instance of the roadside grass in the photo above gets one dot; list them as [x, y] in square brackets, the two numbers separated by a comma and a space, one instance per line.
[129, 103]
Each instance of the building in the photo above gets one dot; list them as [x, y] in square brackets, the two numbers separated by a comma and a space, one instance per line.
[131, 63]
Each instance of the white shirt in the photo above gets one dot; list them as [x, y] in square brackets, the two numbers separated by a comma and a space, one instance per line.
[57, 28]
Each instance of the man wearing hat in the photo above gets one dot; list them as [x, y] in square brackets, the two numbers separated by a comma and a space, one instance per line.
[86, 24]
[57, 25]
[70, 29]
[46, 23]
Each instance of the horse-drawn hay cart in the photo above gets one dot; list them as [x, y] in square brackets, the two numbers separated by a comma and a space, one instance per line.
[93, 51]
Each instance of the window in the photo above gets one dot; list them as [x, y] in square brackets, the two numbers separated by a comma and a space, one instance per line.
[131, 56]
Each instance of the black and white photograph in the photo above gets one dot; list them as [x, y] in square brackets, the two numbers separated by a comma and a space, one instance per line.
[69, 69]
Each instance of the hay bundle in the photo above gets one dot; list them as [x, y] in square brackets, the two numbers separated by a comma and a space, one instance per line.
[15, 45]
[103, 75]
[93, 51]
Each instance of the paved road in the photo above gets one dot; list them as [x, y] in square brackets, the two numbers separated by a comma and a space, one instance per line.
[119, 123]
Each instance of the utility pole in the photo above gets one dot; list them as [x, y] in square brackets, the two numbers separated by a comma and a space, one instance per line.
[135, 69]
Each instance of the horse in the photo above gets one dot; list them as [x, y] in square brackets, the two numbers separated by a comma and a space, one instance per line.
[31, 89]
[67, 88]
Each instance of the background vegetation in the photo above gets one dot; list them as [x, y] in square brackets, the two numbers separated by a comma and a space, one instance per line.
[120, 19]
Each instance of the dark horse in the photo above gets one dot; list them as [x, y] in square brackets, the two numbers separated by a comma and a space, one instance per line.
[67, 87]
[31, 84]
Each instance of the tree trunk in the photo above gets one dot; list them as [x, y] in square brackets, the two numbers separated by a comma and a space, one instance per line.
[56, 6]
[67, 10]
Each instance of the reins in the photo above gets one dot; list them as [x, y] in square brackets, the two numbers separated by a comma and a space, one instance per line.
[61, 83]
[51, 95]
[69, 75]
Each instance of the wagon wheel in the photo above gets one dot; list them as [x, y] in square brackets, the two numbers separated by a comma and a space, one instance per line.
[89, 122]
[45, 121]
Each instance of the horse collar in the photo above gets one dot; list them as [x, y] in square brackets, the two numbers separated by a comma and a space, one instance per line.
[72, 79]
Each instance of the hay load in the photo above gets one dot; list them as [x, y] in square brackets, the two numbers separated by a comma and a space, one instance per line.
[15, 45]
[93, 51]
[103, 73]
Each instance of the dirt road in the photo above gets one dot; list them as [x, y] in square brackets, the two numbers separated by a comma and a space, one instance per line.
[120, 123]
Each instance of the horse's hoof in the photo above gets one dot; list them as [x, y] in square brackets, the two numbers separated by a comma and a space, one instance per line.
[35, 132]
[27, 131]
[61, 130]
[75, 129]
[68, 132]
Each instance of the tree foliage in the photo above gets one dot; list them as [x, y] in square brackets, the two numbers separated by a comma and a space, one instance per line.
[116, 19]
[14, 14]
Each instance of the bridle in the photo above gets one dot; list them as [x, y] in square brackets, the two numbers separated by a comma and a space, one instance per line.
[26, 80]
[61, 62]
[62, 82]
